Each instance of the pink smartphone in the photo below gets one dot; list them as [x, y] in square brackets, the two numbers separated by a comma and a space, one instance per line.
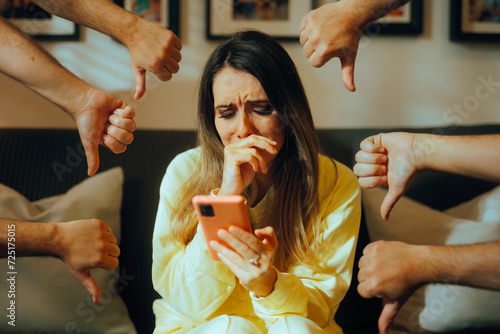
[216, 212]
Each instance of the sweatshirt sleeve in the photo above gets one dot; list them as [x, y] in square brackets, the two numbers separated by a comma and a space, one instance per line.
[316, 293]
[191, 284]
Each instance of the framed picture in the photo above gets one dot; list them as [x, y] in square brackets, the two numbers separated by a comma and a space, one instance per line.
[278, 18]
[38, 23]
[166, 13]
[475, 20]
[404, 20]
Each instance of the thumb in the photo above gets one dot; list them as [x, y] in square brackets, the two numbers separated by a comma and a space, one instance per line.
[88, 282]
[389, 311]
[389, 201]
[347, 64]
[268, 235]
[140, 81]
[92, 153]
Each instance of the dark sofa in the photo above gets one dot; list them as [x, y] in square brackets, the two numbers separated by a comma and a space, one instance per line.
[27, 158]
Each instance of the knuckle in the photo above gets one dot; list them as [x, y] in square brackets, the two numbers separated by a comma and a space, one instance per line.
[97, 223]
[357, 156]
[169, 36]
[133, 126]
[129, 138]
[165, 75]
[323, 52]
[121, 149]
[99, 260]
[156, 65]
[362, 290]
[315, 39]
[244, 281]
[369, 290]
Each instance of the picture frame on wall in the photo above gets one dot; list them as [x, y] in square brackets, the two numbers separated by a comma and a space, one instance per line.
[38, 23]
[165, 13]
[405, 20]
[278, 18]
[475, 21]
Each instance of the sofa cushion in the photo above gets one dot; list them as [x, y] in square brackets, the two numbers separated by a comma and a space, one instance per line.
[441, 307]
[48, 298]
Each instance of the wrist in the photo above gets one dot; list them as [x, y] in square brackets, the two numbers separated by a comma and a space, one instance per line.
[361, 15]
[224, 192]
[79, 100]
[57, 246]
[426, 268]
[270, 278]
[72, 97]
[424, 146]
[128, 33]
[228, 190]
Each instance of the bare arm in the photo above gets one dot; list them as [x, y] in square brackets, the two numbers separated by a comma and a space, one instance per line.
[100, 117]
[29, 64]
[394, 270]
[475, 156]
[334, 30]
[82, 245]
[393, 160]
[152, 48]
[475, 265]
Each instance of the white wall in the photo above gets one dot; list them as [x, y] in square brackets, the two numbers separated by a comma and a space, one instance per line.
[401, 81]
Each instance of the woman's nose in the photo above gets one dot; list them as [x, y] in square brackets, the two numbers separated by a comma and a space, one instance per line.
[244, 126]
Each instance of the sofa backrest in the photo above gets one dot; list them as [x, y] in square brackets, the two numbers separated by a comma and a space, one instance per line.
[28, 157]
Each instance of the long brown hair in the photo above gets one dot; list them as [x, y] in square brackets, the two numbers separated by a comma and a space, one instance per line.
[293, 202]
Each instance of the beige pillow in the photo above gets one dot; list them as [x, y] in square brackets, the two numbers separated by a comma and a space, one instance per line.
[48, 298]
[441, 307]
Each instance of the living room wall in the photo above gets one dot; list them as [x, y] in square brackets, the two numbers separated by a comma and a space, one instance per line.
[401, 81]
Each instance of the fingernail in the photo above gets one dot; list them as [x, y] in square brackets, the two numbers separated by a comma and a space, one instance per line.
[381, 150]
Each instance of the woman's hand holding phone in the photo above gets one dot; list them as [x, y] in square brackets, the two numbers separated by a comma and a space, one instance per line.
[226, 227]
[251, 257]
[242, 159]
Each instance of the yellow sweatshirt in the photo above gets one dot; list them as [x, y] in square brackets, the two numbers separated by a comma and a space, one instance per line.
[196, 289]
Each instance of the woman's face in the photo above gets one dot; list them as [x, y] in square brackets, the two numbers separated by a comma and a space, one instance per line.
[243, 109]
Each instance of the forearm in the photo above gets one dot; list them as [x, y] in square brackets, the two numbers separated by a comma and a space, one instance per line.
[368, 11]
[474, 156]
[101, 15]
[27, 238]
[26, 62]
[476, 265]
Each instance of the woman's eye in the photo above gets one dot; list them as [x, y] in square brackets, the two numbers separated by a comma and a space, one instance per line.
[226, 114]
[265, 110]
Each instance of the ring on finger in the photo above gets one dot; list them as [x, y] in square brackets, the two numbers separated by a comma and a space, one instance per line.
[255, 262]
